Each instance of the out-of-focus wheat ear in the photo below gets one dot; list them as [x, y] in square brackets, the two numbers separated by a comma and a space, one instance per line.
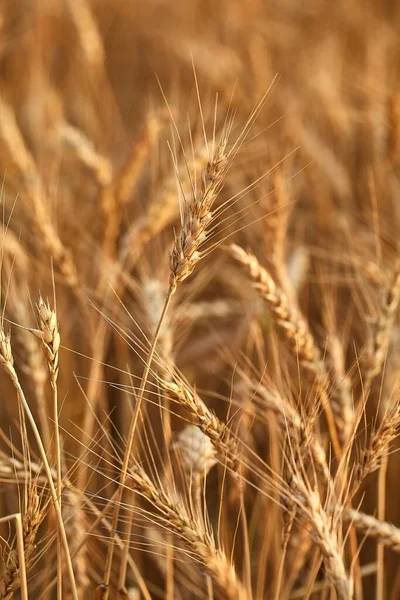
[297, 269]
[117, 193]
[76, 528]
[91, 44]
[379, 343]
[279, 209]
[163, 209]
[384, 532]
[325, 533]
[7, 363]
[86, 152]
[192, 532]
[340, 391]
[14, 572]
[20, 559]
[33, 188]
[393, 117]
[196, 455]
[294, 327]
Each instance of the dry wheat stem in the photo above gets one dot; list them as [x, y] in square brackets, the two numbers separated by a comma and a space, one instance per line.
[6, 362]
[15, 572]
[154, 302]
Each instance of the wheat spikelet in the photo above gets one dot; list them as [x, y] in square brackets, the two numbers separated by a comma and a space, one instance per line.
[382, 531]
[287, 316]
[381, 335]
[218, 432]
[32, 517]
[197, 215]
[325, 534]
[382, 437]
[198, 541]
[50, 337]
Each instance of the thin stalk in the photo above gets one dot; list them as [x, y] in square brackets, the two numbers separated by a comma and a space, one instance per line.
[58, 486]
[129, 445]
[53, 491]
[20, 549]
[380, 553]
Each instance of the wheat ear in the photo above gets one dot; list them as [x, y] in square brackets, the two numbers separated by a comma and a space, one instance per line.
[197, 540]
[17, 563]
[294, 327]
[325, 534]
[7, 363]
[185, 254]
[384, 532]
[49, 334]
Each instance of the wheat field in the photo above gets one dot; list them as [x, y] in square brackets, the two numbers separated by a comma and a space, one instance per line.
[200, 284]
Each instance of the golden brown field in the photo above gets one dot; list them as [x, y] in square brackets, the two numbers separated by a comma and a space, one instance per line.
[200, 283]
